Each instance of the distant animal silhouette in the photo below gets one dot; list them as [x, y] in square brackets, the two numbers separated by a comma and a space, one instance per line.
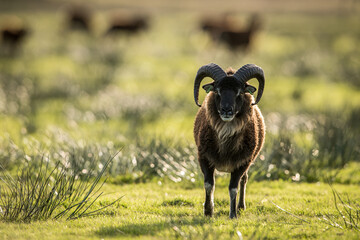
[228, 33]
[13, 34]
[79, 18]
[241, 38]
[127, 24]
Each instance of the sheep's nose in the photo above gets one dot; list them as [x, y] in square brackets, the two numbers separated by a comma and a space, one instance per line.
[227, 110]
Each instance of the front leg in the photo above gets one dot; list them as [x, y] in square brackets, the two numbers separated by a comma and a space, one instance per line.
[209, 184]
[233, 189]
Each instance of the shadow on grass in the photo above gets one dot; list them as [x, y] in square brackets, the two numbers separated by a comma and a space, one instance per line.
[139, 229]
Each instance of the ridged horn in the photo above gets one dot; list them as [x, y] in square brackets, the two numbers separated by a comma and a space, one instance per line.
[211, 70]
[249, 71]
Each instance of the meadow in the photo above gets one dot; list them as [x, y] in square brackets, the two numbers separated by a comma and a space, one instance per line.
[70, 101]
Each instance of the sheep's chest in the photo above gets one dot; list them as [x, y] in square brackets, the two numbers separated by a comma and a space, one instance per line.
[225, 168]
[229, 154]
[227, 163]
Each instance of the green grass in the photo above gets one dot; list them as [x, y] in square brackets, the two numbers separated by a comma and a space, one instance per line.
[76, 98]
[168, 210]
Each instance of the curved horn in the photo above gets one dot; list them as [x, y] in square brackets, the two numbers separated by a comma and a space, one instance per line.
[211, 70]
[249, 71]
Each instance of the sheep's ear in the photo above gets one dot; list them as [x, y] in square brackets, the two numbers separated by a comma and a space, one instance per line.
[250, 89]
[208, 87]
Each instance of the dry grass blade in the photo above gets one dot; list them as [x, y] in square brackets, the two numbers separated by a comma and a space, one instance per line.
[98, 210]
[349, 214]
[288, 212]
[75, 214]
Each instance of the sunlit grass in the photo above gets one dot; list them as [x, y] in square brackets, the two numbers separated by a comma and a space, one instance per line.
[75, 97]
[169, 210]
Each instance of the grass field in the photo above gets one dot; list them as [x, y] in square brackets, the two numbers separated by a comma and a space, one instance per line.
[74, 100]
[174, 211]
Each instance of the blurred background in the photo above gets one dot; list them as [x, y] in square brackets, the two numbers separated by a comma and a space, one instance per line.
[82, 80]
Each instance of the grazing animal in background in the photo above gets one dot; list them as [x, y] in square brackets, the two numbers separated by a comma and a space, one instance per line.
[226, 31]
[13, 37]
[229, 129]
[79, 18]
[13, 34]
[215, 25]
[127, 24]
[241, 38]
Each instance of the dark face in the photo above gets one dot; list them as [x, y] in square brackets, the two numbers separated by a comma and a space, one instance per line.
[229, 99]
[229, 96]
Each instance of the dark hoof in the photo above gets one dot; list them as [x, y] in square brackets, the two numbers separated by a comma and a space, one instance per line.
[241, 208]
[209, 209]
[232, 216]
[208, 212]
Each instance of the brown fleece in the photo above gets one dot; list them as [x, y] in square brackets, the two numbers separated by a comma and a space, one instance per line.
[229, 145]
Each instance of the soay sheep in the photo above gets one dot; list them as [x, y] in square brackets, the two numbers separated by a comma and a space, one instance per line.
[229, 129]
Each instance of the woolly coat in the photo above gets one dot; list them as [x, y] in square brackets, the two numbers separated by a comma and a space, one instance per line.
[226, 146]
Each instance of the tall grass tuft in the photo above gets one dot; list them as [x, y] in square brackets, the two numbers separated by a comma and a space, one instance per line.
[347, 213]
[41, 192]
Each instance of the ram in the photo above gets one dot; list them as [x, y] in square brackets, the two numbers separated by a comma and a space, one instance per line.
[229, 129]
